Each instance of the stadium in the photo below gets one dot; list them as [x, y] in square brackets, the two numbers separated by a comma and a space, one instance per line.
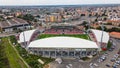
[63, 47]
[64, 41]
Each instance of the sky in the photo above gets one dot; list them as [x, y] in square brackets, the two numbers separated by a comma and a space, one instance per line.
[57, 2]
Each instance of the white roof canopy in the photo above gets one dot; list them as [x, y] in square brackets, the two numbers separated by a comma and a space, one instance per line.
[26, 35]
[62, 42]
[98, 34]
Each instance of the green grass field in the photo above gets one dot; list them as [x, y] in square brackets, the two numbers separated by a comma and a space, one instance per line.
[83, 36]
[13, 58]
[31, 59]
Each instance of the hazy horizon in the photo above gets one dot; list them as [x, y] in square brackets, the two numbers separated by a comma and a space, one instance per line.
[55, 2]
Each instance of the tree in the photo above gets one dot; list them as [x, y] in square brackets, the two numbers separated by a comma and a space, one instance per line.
[105, 29]
[104, 18]
[0, 29]
[28, 17]
[35, 20]
[114, 29]
[119, 25]
[99, 28]
[96, 20]
[96, 14]
[90, 15]
[84, 23]
[82, 14]
[108, 23]
[38, 16]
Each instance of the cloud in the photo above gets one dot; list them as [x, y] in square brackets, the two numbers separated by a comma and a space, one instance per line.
[56, 2]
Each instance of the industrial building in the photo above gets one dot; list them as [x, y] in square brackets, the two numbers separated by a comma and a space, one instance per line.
[13, 24]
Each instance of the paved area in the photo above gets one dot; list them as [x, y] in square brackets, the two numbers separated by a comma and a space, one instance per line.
[7, 34]
[109, 56]
[75, 63]
[67, 63]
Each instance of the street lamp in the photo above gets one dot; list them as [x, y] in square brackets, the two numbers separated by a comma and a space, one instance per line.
[89, 24]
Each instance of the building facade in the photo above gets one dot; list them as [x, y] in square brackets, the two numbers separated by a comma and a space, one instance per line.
[63, 52]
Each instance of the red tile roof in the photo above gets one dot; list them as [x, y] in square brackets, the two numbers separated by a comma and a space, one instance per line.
[115, 34]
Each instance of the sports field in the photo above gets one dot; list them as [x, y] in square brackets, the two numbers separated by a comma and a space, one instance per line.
[83, 36]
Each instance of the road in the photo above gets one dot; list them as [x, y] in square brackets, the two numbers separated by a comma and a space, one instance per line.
[7, 34]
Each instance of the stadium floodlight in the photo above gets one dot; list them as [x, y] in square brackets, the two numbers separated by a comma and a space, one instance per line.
[102, 34]
[24, 36]
[89, 24]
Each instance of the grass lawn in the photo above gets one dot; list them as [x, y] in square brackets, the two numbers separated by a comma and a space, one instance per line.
[31, 59]
[4, 63]
[13, 58]
[83, 36]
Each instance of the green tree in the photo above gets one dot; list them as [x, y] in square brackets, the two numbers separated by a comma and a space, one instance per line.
[90, 15]
[96, 20]
[28, 17]
[82, 14]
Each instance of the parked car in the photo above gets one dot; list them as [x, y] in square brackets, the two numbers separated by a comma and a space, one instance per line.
[113, 59]
[95, 64]
[114, 66]
[110, 49]
[116, 55]
[108, 65]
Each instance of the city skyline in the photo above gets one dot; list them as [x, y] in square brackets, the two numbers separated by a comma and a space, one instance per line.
[54, 2]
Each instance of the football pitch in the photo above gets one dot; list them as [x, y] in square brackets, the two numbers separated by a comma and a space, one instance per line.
[83, 36]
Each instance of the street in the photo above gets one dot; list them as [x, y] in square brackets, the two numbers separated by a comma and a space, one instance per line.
[7, 34]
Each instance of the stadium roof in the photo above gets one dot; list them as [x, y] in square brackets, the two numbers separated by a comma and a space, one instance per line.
[62, 42]
[27, 35]
[98, 34]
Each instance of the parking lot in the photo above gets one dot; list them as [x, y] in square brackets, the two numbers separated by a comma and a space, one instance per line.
[110, 59]
[111, 55]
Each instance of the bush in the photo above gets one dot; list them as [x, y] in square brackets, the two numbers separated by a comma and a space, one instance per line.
[109, 45]
[13, 39]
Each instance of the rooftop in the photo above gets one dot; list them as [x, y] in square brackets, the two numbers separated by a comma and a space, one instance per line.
[62, 42]
[115, 34]
[12, 22]
[26, 35]
[98, 35]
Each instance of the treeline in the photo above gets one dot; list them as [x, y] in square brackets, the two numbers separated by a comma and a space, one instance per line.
[4, 63]
[114, 29]
[27, 17]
